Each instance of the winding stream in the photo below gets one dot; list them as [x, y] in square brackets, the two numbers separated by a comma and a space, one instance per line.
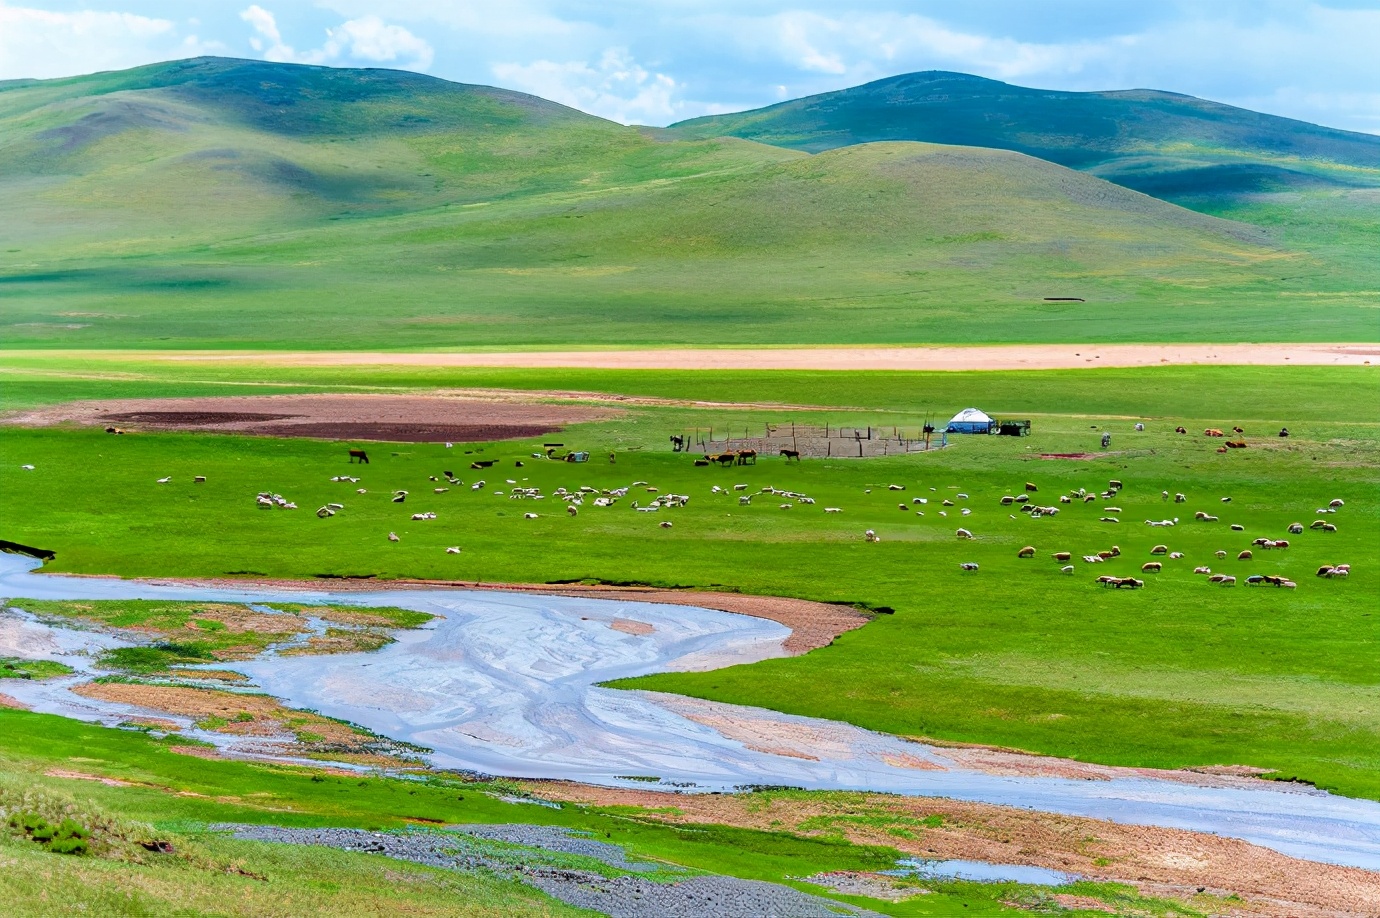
[506, 684]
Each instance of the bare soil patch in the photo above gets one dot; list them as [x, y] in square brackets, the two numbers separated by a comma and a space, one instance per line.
[628, 626]
[388, 418]
[9, 701]
[1172, 862]
[984, 357]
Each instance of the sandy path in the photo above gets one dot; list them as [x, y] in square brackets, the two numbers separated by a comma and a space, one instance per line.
[1157, 860]
[984, 357]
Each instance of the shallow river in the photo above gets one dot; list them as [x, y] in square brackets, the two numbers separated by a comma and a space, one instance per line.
[506, 684]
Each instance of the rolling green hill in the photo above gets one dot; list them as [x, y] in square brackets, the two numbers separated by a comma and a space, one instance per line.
[241, 204]
[1168, 145]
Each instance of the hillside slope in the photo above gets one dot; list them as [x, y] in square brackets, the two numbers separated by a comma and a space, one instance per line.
[1165, 144]
[221, 203]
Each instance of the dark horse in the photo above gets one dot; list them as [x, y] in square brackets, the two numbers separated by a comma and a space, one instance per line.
[359, 454]
[791, 454]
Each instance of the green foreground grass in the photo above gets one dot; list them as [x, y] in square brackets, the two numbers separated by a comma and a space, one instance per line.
[1178, 674]
[165, 795]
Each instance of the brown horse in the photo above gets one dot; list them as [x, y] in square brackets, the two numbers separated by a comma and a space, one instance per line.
[747, 457]
[359, 454]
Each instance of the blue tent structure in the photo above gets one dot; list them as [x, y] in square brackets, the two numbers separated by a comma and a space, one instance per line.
[971, 421]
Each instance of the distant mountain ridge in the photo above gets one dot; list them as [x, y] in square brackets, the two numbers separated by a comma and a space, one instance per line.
[1165, 144]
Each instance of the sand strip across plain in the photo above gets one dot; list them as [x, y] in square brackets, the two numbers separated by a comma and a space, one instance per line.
[977, 357]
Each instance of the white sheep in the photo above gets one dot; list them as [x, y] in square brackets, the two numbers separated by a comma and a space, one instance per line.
[963, 534]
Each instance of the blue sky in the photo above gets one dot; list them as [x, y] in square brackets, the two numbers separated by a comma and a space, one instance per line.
[656, 62]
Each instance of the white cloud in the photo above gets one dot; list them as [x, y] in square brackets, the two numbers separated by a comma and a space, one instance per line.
[617, 87]
[41, 44]
[367, 39]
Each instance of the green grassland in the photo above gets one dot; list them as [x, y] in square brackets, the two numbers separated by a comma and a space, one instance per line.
[174, 797]
[238, 204]
[1177, 674]
[1164, 144]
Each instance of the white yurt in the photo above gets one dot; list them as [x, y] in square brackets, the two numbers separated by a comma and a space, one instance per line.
[970, 420]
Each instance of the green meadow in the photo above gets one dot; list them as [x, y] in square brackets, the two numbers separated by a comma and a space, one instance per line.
[1180, 673]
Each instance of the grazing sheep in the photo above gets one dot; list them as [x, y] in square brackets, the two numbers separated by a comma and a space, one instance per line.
[1112, 510]
[745, 500]
[1114, 484]
[1062, 556]
[947, 503]
[895, 487]
[1089, 498]
[529, 516]
[1176, 556]
[1066, 569]
[1139, 426]
[1019, 498]
[1181, 430]
[1328, 527]
[963, 534]
[165, 480]
[1116, 551]
[1180, 498]
[1160, 550]
[453, 550]
[902, 507]
[1337, 503]
[968, 566]
[1092, 559]
[393, 537]
[1295, 528]
[1027, 552]
[572, 510]
[1164, 495]
[324, 512]
[1151, 567]
[424, 516]
[665, 524]
[1029, 486]
[870, 536]
[439, 490]
[1202, 570]
[1245, 556]
[1109, 519]
[1316, 524]
[1228, 581]
[1237, 527]
[833, 509]
[1007, 500]
[1220, 553]
[1065, 499]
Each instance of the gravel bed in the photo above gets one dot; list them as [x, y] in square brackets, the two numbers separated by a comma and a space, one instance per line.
[618, 897]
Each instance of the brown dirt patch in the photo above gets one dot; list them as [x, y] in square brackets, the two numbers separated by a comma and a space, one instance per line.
[1171, 862]
[628, 626]
[337, 640]
[990, 357]
[8, 701]
[389, 418]
[83, 776]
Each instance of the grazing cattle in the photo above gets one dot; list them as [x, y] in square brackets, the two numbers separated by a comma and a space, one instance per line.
[393, 537]
[1160, 550]
[359, 454]
[789, 454]
[968, 566]
[1066, 569]
[964, 534]
[1180, 430]
[701, 463]
[1027, 552]
[870, 536]
[1151, 567]
[724, 459]
[1213, 432]
[747, 457]
[1238, 431]
[1245, 556]
[1236, 444]
[482, 463]
[1030, 487]
[1062, 556]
